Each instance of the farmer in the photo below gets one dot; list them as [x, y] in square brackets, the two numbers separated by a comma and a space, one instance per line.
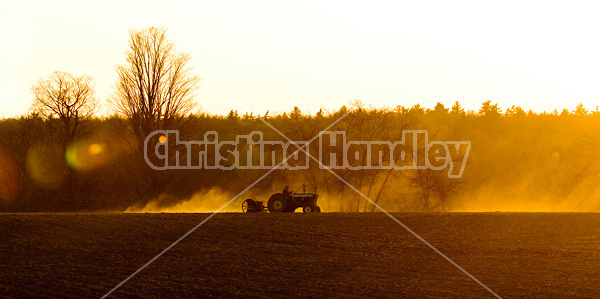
[286, 191]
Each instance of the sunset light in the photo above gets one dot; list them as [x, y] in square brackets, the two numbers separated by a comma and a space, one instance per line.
[299, 149]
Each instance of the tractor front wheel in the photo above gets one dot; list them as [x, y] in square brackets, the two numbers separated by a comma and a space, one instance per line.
[309, 209]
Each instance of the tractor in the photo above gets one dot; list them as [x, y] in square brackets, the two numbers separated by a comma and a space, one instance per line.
[284, 202]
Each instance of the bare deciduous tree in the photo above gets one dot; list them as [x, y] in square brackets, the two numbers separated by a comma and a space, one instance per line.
[67, 98]
[155, 88]
[66, 101]
[155, 91]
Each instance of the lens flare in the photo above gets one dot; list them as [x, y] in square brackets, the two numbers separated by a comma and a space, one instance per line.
[46, 166]
[9, 174]
[95, 149]
[72, 158]
[86, 155]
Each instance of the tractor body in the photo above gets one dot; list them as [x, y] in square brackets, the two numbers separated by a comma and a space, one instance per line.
[280, 203]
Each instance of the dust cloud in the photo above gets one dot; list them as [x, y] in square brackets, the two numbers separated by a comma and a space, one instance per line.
[213, 199]
[207, 201]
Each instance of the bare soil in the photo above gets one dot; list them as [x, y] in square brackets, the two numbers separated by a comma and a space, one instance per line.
[534, 255]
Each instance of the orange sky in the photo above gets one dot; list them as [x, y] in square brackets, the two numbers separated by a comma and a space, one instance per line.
[272, 55]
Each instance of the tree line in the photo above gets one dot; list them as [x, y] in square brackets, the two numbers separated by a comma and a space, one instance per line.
[64, 157]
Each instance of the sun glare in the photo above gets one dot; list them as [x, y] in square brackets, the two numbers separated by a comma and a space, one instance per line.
[95, 149]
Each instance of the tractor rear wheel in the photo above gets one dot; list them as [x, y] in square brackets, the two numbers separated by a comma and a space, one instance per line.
[318, 209]
[277, 203]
